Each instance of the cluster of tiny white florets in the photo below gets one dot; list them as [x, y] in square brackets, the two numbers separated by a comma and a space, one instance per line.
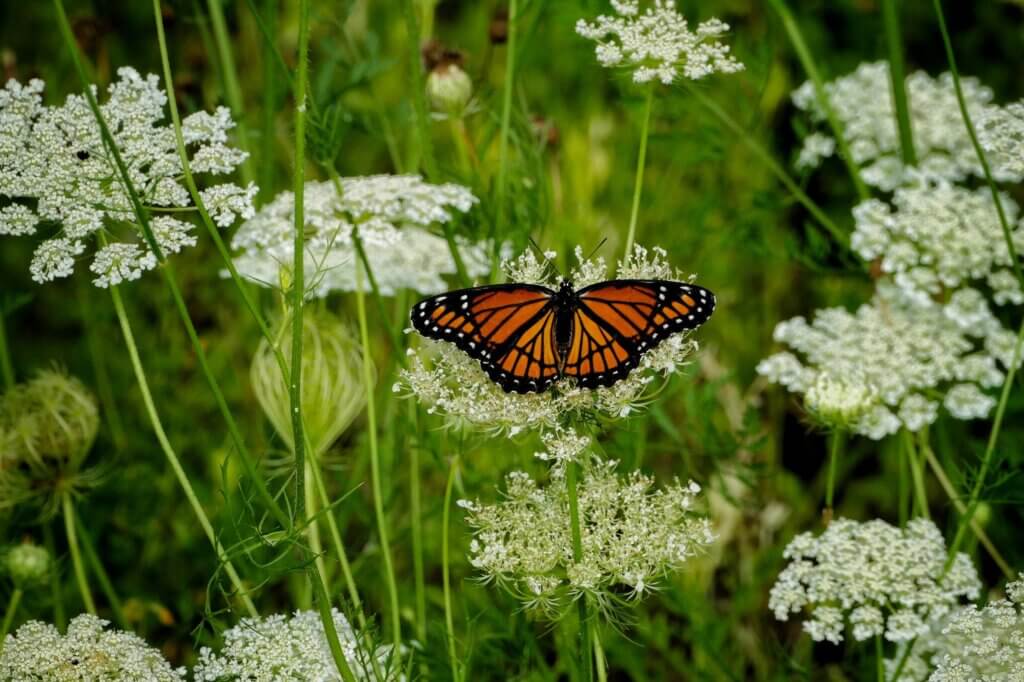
[37, 651]
[657, 43]
[863, 104]
[632, 535]
[390, 215]
[935, 238]
[876, 578]
[451, 383]
[279, 647]
[887, 364]
[55, 170]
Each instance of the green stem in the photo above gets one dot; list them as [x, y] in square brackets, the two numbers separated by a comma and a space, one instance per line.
[920, 494]
[903, 499]
[423, 155]
[458, 131]
[68, 510]
[879, 659]
[891, 19]
[1004, 223]
[807, 61]
[585, 658]
[12, 609]
[835, 446]
[172, 457]
[415, 511]
[506, 122]
[268, 107]
[232, 90]
[59, 616]
[599, 660]
[449, 620]
[5, 361]
[986, 460]
[316, 547]
[641, 160]
[93, 559]
[378, 495]
[766, 158]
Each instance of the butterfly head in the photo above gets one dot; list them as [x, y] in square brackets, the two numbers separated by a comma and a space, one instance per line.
[565, 288]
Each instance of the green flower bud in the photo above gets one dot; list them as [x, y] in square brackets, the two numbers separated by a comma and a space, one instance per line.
[449, 89]
[27, 564]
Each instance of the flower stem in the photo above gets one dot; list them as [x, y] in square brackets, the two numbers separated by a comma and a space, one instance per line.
[501, 187]
[446, 567]
[766, 158]
[835, 446]
[378, 495]
[879, 659]
[585, 658]
[9, 613]
[424, 152]
[807, 61]
[897, 76]
[68, 511]
[232, 91]
[416, 520]
[316, 547]
[93, 559]
[920, 494]
[641, 160]
[6, 370]
[172, 457]
[599, 661]
[59, 616]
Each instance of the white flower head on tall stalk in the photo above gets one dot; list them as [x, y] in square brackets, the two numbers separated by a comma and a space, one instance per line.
[56, 173]
[390, 214]
[657, 43]
[894, 358]
[281, 648]
[37, 651]
[934, 238]
[453, 384]
[876, 578]
[633, 535]
[863, 104]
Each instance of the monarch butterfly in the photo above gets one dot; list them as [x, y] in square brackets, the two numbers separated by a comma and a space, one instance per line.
[527, 336]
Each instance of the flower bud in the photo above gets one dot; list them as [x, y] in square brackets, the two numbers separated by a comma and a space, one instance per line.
[27, 564]
[449, 88]
[838, 403]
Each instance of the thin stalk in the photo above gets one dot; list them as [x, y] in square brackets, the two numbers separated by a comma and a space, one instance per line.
[766, 158]
[835, 446]
[423, 153]
[232, 90]
[1003, 222]
[807, 61]
[947, 486]
[378, 495]
[897, 76]
[68, 511]
[879, 659]
[641, 160]
[6, 369]
[986, 460]
[903, 489]
[585, 657]
[268, 107]
[415, 511]
[59, 616]
[313, 527]
[9, 613]
[920, 494]
[465, 167]
[599, 660]
[506, 122]
[449, 620]
[172, 457]
[93, 559]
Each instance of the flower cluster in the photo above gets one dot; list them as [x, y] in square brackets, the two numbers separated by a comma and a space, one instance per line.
[883, 367]
[632, 534]
[657, 43]
[56, 171]
[281, 648]
[390, 215]
[874, 577]
[37, 651]
[862, 102]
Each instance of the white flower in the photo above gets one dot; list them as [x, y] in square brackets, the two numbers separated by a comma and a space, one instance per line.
[632, 535]
[837, 402]
[817, 146]
[658, 43]
[172, 235]
[37, 651]
[563, 445]
[864, 570]
[966, 401]
[281, 648]
[1001, 134]
[55, 168]
[226, 203]
[391, 215]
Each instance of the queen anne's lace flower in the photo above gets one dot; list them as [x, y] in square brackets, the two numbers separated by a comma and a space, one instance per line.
[899, 353]
[658, 42]
[55, 168]
[862, 102]
[880, 578]
[282, 648]
[632, 535]
[391, 214]
[37, 651]
[453, 384]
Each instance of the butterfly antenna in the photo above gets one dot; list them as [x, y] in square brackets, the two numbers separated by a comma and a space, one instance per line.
[596, 248]
[550, 263]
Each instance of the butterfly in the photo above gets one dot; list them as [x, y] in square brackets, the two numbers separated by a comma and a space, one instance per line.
[528, 336]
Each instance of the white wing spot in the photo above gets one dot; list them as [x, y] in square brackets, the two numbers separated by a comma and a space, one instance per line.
[689, 317]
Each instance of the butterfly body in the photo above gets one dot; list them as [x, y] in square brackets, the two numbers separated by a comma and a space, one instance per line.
[528, 336]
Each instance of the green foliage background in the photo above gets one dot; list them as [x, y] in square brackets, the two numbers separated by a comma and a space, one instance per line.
[707, 199]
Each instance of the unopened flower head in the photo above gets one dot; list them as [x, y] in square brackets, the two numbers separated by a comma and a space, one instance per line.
[55, 169]
[936, 238]
[453, 384]
[279, 647]
[390, 214]
[37, 651]
[875, 578]
[896, 357]
[633, 535]
[449, 89]
[657, 43]
[26, 564]
[863, 104]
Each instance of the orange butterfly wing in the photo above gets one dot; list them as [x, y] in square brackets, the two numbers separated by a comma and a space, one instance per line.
[509, 328]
